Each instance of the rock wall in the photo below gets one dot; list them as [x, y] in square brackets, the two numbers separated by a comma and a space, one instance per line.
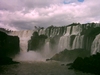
[9, 45]
[36, 42]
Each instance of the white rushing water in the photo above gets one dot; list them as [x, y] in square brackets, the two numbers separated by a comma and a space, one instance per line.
[64, 43]
[24, 37]
[96, 45]
[78, 42]
[25, 55]
[31, 55]
[66, 40]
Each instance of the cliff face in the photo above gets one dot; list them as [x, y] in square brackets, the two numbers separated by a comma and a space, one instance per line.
[37, 41]
[9, 45]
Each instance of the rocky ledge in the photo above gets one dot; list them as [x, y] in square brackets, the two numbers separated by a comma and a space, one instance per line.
[7, 61]
[88, 64]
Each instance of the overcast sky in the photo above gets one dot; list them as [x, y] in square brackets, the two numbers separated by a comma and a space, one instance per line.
[25, 14]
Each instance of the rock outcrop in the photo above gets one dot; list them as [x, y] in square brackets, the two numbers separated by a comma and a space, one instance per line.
[7, 61]
[37, 42]
[70, 55]
[9, 45]
[88, 64]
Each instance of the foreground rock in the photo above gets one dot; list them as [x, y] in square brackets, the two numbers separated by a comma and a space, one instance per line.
[9, 45]
[88, 64]
[70, 55]
[7, 61]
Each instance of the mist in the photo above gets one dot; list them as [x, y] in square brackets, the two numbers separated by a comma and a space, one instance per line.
[36, 55]
[29, 56]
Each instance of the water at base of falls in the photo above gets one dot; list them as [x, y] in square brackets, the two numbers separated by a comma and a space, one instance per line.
[38, 68]
[29, 56]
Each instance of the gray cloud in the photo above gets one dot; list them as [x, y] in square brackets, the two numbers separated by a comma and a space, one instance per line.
[25, 14]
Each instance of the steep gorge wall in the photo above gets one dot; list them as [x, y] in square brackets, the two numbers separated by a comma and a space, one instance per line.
[9, 45]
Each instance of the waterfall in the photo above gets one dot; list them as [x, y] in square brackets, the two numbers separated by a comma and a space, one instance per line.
[71, 39]
[25, 55]
[78, 42]
[64, 43]
[47, 49]
[66, 37]
[76, 30]
[41, 31]
[68, 31]
[24, 37]
[65, 40]
[96, 45]
[71, 42]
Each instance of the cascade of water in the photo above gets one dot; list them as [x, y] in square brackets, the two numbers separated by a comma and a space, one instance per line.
[76, 30]
[24, 36]
[70, 38]
[97, 25]
[78, 42]
[68, 31]
[42, 32]
[47, 32]
[96, 45]
[47, 49]
[57, 31]
[66, 42]
[65, 29]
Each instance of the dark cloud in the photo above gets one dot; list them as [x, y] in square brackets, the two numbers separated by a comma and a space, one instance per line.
[25, 14]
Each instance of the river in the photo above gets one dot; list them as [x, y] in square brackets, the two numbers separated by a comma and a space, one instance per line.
[38, 68]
